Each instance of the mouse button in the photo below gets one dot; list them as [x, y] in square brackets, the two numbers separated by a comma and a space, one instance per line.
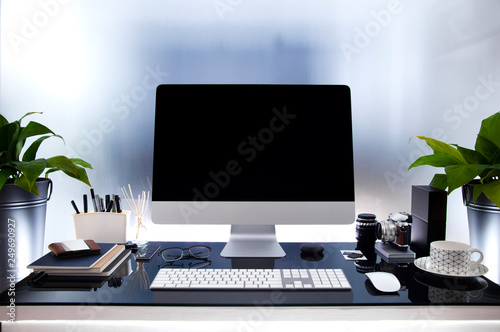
[384, 281]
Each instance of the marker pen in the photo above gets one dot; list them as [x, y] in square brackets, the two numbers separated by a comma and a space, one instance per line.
[94, 202]
[114, 205]
[110, 206]
[118, 204]
[85, 204]
[75, 207]
[98, 203]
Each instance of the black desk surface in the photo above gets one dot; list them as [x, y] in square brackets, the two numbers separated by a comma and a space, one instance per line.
[127, 285]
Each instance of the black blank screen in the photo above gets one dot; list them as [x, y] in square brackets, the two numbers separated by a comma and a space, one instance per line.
[253, 143]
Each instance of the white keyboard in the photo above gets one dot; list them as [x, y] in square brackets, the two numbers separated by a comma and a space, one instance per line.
[250, 279]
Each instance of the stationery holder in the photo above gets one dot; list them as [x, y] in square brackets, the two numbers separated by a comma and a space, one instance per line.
[102, 227]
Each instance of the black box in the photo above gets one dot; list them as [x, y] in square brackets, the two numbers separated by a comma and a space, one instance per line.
[428, 210]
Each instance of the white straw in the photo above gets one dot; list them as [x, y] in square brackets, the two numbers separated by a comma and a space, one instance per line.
[138, 208]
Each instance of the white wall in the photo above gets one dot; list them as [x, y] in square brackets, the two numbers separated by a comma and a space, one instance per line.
[414, 67]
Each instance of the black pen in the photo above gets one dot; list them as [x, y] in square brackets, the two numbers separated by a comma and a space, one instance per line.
[110, 206]
[75, 207]
[85, 204]
[118, 204]
[114, 205]
[97, 203]
[92, 195]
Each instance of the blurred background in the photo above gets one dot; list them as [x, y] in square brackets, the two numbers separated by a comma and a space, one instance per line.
[414, 68]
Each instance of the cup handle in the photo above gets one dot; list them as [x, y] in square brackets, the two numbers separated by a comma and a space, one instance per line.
[476, 262]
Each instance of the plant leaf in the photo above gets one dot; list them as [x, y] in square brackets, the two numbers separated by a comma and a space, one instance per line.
[439, 181]
[82, 176]
[489, 129]
[5, 174]
[458, 175]
[441, 147]
[494, 172]
[30, 153]
[31, 170]
[492, 191]
[70, 167]
[3, 121]
[495, 158]
[35, 129]
[471, 156]
[62, 163]
[486, 147]
[80, 162]
[8, 139]
[28, 114]
[436, 160]
[478, 190]
[23, 182]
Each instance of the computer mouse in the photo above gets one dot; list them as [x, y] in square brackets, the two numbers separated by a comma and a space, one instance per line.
[312, 249]
[384, 281]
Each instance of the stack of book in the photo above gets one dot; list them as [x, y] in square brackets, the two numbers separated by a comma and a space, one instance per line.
[103, 264]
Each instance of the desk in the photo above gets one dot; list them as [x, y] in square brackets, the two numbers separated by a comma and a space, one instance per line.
[423, 299]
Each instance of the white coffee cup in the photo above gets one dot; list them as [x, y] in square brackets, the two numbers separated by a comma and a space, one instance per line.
[453, 258]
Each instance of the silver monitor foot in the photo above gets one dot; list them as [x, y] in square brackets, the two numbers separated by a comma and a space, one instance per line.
[253, 241]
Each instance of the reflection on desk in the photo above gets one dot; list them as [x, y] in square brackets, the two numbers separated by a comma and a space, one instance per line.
[129, 285]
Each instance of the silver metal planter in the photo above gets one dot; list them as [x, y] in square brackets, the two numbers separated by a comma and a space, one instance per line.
[484, 230]
[22, 229]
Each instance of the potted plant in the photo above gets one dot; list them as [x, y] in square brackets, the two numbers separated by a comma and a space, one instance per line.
[23, 191]
[25, 172]
[477, 172]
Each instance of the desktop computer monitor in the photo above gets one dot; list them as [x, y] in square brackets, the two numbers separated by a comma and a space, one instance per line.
[253, 156]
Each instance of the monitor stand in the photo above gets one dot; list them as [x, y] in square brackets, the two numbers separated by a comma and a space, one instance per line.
[253, 241]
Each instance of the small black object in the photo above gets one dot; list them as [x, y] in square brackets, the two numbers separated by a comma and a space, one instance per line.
[115, 282]
[118, 203]
[312, 252]
[366, 226]
[85, 204]
[354, 255]
[312, 249]
[428, 207]
[110, 205]
[75, 207]
[132, 246]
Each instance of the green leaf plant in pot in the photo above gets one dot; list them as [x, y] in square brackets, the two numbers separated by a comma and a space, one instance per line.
[24, 192]
[25, 170]
[462, 166]
[477, 172]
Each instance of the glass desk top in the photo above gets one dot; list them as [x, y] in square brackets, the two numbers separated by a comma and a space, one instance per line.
[129, 285]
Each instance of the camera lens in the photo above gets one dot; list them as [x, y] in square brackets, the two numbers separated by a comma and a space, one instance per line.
[386, 231]
[365, 230]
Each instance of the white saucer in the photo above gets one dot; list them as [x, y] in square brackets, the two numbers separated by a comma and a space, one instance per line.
[424, 263]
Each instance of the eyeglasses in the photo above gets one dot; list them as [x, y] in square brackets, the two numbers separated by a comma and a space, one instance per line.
[175, 254]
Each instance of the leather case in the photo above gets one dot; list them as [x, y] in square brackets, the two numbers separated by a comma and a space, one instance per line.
[60, 250]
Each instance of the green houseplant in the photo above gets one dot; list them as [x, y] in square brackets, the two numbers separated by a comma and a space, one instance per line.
[477, 172]
[25, 170]
[480, 166]
[24, 192]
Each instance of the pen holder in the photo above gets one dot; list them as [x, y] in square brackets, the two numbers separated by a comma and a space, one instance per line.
[103, 227]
